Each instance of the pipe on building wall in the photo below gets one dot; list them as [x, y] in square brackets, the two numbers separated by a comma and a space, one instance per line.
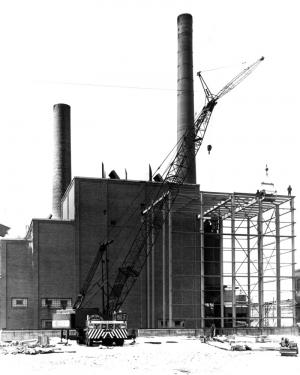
[170, 274]
[62, 155]
[185, 94]
[152, 271]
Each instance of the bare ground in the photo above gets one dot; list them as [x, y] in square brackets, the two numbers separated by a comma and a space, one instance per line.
[155, 355]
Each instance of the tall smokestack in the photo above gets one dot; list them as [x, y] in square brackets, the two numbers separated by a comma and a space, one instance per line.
[185, 93]
[62, 155]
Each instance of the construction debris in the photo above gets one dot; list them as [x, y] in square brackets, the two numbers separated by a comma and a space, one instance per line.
[30, 347]
[244, 343]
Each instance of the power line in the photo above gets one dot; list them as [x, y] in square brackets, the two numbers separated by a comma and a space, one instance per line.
[108, 86]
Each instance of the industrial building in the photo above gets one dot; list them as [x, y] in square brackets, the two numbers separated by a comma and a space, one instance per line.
[209, 257]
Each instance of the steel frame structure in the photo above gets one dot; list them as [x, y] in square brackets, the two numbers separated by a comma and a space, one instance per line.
[257, 256]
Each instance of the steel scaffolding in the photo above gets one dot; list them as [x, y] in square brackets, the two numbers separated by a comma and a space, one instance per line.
[254, 270]
[257, 257]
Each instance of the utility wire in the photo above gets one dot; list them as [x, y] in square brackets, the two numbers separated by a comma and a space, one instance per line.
[113, 86]
[222, 67]
[109, 86]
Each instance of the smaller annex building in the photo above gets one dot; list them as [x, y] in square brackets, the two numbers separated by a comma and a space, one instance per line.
[45, 271]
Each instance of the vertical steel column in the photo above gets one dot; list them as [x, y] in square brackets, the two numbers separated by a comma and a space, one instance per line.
[153, 272]
[260, 264]
[164, 266]
[233, 260]
[148, 272]
[221, 272]
[293, 261]
[278, 281]
[170, 264]
[248, 272]
[202, 299]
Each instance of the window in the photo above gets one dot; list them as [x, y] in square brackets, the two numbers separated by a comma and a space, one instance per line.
[57, 303]
[298, 285]
[19, 302]
[175, 323]
[179, 323]
[46, 324]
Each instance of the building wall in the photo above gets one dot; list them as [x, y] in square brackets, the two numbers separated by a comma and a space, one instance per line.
[54, 276]
[16, 284]
[186, 270]
[52, 264]
[111, 210]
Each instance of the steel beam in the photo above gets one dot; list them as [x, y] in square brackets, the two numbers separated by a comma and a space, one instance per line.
[233, 281]
[170, 274]
[293, 261]
[248, 272]
[278, 281]
[148, 274]
[202, 306]
[221, 273]
[260, 265]
[164, 266]
[152, 272]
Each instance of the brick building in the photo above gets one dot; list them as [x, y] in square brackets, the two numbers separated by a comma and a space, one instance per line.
[201, 248]
[45, 271]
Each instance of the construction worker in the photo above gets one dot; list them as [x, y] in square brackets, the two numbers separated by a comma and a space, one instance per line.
[133, 337]
[289, 189]
[213, 330]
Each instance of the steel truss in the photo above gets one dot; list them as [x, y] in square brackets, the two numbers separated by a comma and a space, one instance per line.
[257, 258]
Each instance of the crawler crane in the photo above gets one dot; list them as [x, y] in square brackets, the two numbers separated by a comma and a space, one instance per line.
[135, 259]
[174, 178]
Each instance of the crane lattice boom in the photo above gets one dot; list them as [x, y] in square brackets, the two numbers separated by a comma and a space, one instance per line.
[174, 178]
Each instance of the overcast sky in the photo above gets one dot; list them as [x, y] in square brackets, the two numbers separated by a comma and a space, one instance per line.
[88, 53]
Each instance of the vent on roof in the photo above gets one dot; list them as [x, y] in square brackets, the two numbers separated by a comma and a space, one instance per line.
[113, 175]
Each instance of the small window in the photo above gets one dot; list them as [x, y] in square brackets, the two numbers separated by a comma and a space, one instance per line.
[298, 285]
[57, 303]
[46, 324]
[19, 302]
[162, 324]
[179, 323]
[175, 323]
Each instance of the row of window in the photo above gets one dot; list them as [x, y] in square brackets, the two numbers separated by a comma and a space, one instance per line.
[50, 303]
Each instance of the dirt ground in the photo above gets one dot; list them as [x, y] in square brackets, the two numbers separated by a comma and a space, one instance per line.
[152, 355]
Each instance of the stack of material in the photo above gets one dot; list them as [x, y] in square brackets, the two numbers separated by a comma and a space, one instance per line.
[243, 343]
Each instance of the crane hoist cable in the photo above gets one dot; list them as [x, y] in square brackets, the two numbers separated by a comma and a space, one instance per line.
[169, 188]
[175, 175]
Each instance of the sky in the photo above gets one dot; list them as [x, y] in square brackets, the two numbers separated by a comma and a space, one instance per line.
[115, 63]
